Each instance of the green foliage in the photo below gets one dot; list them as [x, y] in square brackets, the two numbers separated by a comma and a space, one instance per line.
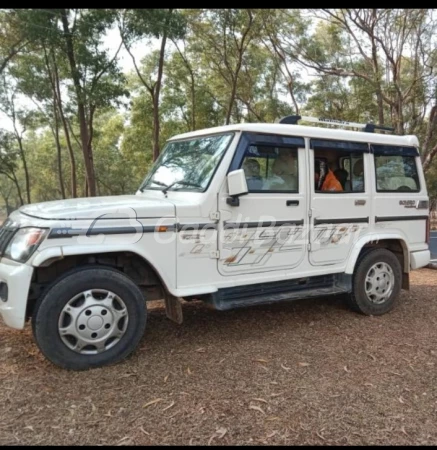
[138, 23]
[219, 65]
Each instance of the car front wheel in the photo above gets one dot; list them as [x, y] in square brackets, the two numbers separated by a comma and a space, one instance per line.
[90, 317]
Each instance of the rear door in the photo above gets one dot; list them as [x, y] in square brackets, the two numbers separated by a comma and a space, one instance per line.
[400, 194]
[338, 218]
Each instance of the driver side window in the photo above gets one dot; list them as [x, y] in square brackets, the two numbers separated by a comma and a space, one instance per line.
[271, 169]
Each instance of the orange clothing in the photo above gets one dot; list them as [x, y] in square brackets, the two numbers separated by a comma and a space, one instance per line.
[331, 183]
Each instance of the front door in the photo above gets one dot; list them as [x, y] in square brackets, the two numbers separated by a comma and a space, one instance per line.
[265, 231]
[340, 204]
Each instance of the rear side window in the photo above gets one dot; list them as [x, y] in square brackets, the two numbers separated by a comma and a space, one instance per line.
[339, 166]
[396, 169]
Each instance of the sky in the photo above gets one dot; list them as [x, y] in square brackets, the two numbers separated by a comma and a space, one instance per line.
[112, 40]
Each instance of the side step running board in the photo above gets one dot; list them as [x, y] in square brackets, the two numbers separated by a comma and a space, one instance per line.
[265, 293]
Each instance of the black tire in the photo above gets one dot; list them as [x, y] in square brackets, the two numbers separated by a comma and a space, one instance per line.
[358, 299]
[50, 305]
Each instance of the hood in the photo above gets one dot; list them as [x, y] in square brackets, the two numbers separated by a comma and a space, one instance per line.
[100, 207]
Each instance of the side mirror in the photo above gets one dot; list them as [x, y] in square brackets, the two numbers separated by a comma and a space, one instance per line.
[237, 186]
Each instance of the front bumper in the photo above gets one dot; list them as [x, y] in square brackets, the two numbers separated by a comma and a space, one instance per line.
[17, 276]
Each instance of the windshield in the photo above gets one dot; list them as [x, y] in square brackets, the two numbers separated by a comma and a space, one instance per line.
[187, 165]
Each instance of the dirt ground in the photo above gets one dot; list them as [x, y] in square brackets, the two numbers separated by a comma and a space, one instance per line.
[304, 372]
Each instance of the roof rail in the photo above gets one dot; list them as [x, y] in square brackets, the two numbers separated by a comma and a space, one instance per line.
[368, 127]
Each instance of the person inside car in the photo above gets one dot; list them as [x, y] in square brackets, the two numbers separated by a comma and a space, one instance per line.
[358, 176]
[252, 171]
[284, 172]
[325, 178]
[341, 175]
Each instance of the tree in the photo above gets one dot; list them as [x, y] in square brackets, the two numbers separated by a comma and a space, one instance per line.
[8, 98]
[264, 85]
[96, 77]
[276, 22]
[58, 113]
[95, 80]
[202, 68]
[392, 51]
[30, 73]
[9, 161]
[224, 37]
[6, 193]
[139, 24]
[12, 41]
[116, 169]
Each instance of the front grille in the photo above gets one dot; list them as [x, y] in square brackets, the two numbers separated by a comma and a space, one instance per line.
[6, 234]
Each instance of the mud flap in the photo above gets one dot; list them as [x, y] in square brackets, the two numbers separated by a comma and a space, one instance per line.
[173, 308]
[405, 281]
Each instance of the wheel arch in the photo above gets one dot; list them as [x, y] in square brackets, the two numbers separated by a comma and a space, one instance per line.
[393, 242]
[134, 265]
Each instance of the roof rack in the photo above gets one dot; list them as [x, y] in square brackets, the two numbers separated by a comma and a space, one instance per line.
[368, 127]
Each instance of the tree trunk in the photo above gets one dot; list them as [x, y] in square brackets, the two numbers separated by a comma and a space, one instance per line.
[401, 121]
[26, 171]
[192, 86]
[87, 151]
[73, 175]
[58, 148]
[429, 153]
[155, 128]
[231, 101]
[236, 74]
[19, 138]
[157, 89]
[55, 129]
[234, 88]
[17, 185]
[6, 200]
[378, 90]
[193, 102]
[83, 124]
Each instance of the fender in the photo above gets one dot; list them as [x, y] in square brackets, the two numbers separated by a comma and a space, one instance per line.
[48, 255]
[374, 237]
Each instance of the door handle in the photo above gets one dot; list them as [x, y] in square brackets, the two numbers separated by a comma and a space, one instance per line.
[360, 202]
[292, 202]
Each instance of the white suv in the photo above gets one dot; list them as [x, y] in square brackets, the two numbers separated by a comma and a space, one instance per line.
[234, 216]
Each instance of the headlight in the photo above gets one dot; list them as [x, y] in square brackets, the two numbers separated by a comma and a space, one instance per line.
[24, 243]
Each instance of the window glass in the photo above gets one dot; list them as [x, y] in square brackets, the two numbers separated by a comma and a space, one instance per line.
[271, 169]
[338, 171]
[396, 173]
[188, 165]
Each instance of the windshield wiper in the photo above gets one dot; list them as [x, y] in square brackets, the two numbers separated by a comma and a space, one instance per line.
[185, 183]
[168, 186]
[159, 183]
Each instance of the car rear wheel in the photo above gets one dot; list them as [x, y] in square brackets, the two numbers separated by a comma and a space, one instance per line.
[376, 282]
